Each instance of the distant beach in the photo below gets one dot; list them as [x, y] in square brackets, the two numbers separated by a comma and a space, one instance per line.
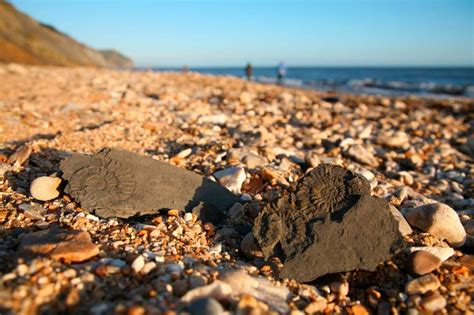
[390, 81]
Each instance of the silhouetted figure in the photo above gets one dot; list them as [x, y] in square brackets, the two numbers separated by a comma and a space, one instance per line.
[185, 69]
[249, 71]
[281, 72]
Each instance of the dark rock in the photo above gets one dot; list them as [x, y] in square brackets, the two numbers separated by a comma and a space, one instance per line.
[330, 223]
[205, 306]
[116, 183]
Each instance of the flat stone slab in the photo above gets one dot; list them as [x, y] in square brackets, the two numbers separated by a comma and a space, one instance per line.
[329, 224]
[58, 244]
[115, 183]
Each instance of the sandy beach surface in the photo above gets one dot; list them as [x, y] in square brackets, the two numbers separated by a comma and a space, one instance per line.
[413, 151]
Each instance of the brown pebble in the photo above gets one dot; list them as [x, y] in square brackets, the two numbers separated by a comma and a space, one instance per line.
[422, 262]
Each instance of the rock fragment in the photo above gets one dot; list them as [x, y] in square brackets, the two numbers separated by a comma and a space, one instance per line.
[422, 284]
[360, 154]
[421, 262]
[231, 178]
[116, 183]
[21, 155]
[443, 253]
[71, 245]
[45, 188]
[331, 212]
[439, 220]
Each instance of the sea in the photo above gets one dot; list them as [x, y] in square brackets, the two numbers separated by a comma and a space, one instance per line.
[391, 81]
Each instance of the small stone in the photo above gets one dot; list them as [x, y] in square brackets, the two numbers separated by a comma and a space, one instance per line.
[188, 217]
[231, 178]
[149, 266]
[217, 119]
[406, 178]
[21, 155]
[205, 306]
[422, 284]
[398, 140]
[185, 153]
[45, 188]
[443, 253]
[138, 264]
[71, 245]
[217, 289]
[433, 303]
[360, 154]
[421, 262]
[261, 288]
[438, 220]
[249, 247]
[253, 161]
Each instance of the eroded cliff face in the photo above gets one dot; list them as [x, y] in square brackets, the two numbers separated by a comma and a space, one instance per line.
[24, 40]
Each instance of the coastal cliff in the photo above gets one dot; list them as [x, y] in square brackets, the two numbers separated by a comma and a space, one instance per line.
[27, 41]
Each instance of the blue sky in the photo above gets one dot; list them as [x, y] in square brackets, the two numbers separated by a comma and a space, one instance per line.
[226, 33]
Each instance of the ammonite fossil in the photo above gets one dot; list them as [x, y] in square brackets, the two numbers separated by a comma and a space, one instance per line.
[115, 183]
[329, 223]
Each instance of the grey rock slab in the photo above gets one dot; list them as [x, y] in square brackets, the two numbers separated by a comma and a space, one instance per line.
[115, 183]
[329, 224]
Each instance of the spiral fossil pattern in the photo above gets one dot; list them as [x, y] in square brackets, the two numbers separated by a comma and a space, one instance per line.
[325, 193]
[103, 185]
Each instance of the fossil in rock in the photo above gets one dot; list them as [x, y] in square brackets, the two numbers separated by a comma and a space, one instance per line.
[330, 223]
[115, 183]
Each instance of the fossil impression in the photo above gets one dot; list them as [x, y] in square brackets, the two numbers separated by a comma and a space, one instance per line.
[115, 183]
[330, 223]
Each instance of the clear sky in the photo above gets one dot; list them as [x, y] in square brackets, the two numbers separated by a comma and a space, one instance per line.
[312, 32]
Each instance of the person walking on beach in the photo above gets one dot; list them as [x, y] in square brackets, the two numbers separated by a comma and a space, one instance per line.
[281, 72]
[249, 71]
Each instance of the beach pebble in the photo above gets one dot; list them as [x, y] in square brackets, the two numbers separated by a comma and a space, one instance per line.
[21, 155]
[362, 155]
[138, 264]
[217, 289]
[439, 220]
[231, 178]
[217, 119]
[71, 245]
[205, 306]
[253, 160]
[422, 284]
[249, 247]
[433, 303]
[397, 140]
[45, 188]
[185, 153]
[261, 288]
[443, 253]
[421, 262]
